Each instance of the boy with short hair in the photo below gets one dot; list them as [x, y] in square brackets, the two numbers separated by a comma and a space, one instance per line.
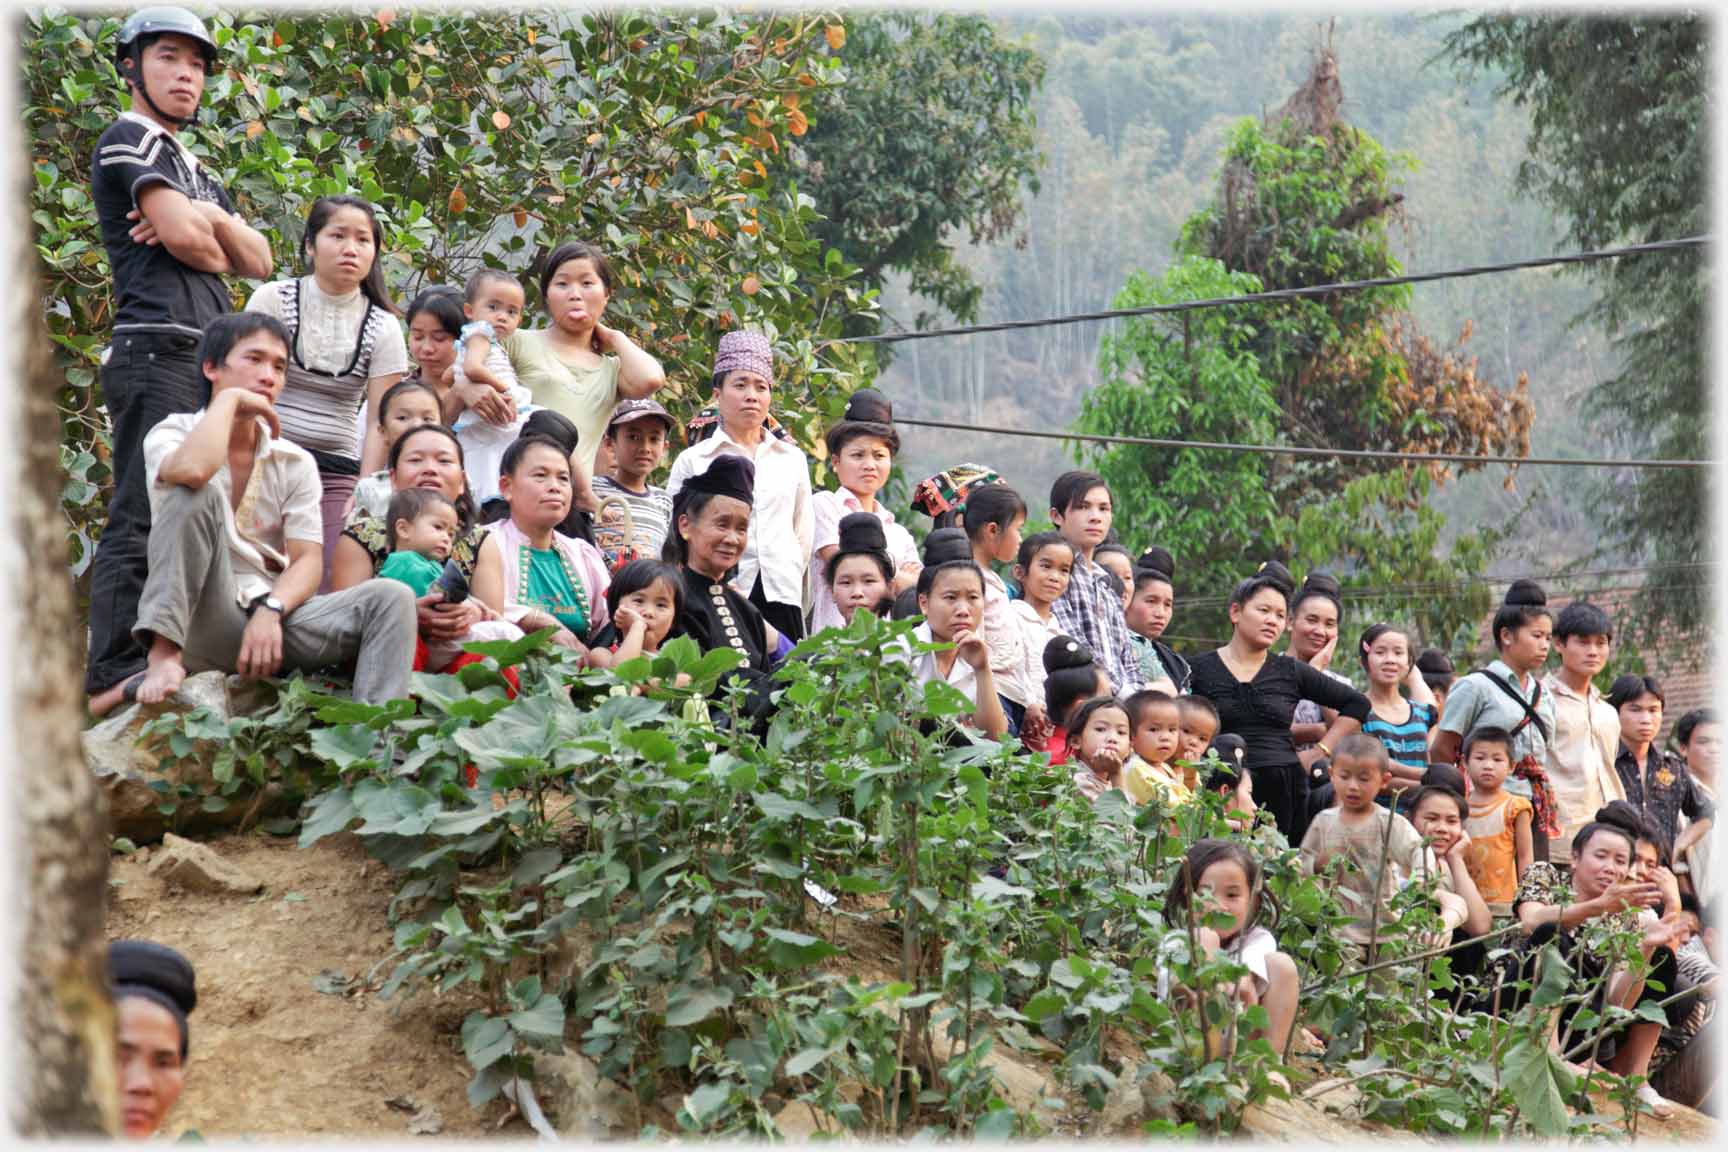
[1501, 845]
[1154, 724]
[1586, 727]
[1091, 609]
[636, 439]
[1354, 832]
[1199, 721]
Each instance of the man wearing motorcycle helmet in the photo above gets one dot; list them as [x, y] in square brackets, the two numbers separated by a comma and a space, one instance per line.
[172, 235]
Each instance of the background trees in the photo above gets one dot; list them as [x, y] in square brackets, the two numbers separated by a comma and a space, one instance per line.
[1616, 147]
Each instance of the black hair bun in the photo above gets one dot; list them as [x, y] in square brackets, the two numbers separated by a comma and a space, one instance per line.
[1620, 814]
[1443, 776]
[862, 532]
[1230, 748]
[1321, 583]
[1526, 593]
[156, 967]
[946, 546]
[1435, 662]
[1066, 652]
[1159, 560]
[1278, 576]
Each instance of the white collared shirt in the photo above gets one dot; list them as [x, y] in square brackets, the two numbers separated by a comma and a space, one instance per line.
[828, 509]
[281, 501]
[1581, 756]
[781, 527]
[961, 674]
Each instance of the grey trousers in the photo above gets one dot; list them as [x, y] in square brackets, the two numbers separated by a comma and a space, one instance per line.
[189, 598]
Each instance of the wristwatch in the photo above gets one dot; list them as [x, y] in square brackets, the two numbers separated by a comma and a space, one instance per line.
[268, 600]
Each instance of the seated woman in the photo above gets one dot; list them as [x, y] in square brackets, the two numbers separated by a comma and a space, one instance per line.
[710, 525]
[533, 575]
[409, 404]
[423, 457]
[1605, 888]
[951, 600]
[859, 572]
[154, 990]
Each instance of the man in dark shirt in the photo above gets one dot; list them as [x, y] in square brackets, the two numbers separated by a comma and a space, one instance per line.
[171, 235]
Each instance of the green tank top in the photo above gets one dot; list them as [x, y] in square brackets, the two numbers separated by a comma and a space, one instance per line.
[548, 585]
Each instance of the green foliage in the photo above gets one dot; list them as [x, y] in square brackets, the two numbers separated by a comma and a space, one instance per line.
[1617, 146]
[932, 134]
[861, 908]
[484, 140]
[1303, 200]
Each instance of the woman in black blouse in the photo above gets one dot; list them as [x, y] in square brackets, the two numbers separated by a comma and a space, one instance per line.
[1256, 694]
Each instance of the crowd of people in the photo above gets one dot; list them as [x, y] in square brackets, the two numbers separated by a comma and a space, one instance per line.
[318, 482]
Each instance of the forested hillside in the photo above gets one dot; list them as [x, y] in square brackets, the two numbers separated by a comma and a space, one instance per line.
[1132, 119]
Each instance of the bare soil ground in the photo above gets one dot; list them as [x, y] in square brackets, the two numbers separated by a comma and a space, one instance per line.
[272, 1055]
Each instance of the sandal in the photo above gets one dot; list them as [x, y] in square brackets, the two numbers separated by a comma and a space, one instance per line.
[1659, 1107]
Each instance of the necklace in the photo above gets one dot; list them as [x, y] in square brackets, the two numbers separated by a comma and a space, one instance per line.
[524, 556]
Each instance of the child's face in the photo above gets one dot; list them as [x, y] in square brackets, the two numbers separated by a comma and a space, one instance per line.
[1086, 522]
[1047, 579]
[1641, 719]
[1106, 731]
[743, 399]
[1224, 887]
[1119, 564]
[432, 533]
[1584, 655]
[1356, 780]
[410, 410]
[499, 304]
[858, 584]
[1007, 544]
[637, 447]
[1150, 607]
[1437, 819]
[1199, 729]
[1488, 765]
[863, 465]
[1159, 734]
[955, 603]
[1388, 659]
[657, 606]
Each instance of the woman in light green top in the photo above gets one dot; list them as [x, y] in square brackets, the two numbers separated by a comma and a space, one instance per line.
[577, 366]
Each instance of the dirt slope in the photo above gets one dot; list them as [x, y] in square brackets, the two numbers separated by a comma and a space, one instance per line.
[272, 1056]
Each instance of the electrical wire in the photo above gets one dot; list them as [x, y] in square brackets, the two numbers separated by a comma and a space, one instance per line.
[1280, 294]
[1293, 450]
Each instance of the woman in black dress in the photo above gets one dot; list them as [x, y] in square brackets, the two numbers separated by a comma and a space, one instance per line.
[1256, 694]
[711, 522]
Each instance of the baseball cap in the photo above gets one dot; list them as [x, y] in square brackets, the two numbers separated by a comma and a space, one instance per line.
[628, 410]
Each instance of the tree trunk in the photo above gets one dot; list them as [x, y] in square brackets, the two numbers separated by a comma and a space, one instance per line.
[67, 1086]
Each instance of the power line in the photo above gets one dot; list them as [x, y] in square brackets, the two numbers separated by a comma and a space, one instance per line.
[1293, 450]
[1278, 294]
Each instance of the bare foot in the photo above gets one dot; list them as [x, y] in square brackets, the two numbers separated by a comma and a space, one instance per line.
[109, 699]
[163, 678]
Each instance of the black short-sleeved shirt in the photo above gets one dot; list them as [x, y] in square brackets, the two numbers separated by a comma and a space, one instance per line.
[1260, 710]
[152, 288]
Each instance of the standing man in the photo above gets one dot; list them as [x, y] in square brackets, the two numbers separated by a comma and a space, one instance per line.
[171, 235]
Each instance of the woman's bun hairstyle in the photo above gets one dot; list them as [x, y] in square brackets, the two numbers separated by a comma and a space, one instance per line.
[1066, 652]
[1158, 562]
[1272, 575]
[1525, 593]
[1621, 814]
[1322, 584]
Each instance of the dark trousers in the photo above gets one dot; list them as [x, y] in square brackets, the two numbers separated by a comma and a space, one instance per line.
[788, 619]
[148, 376]
[1282, 789]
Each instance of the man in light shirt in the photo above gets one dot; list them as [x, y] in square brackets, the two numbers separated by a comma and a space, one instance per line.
[236, 547]
[1586, 728]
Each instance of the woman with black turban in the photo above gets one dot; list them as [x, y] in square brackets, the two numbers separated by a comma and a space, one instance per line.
[154, 990]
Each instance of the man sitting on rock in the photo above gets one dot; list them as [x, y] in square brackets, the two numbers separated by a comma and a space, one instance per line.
[236, 540]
